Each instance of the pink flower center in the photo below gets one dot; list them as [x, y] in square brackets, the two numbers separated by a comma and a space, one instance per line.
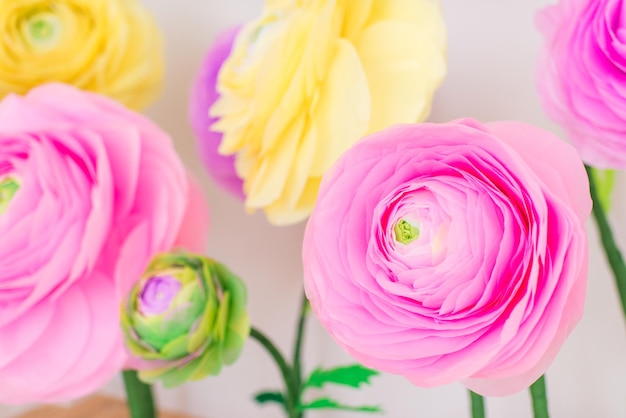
[405, 232]
[417, 227]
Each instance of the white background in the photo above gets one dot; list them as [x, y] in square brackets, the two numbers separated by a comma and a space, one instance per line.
[492, 53]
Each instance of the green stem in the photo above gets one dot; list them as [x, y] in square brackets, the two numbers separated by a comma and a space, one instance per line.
[540, 398]
[297, 350]
[291, 398]
[613, 254]
[139, 396]
[478, 405]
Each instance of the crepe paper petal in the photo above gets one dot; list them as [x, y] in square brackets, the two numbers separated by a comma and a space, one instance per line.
[101, 191]
[452, 252]
[581, 76]
[300, 84]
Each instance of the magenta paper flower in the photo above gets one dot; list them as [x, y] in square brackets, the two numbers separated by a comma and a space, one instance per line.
[452, 252]
[89, 193]
[203, 95]
[582, 76]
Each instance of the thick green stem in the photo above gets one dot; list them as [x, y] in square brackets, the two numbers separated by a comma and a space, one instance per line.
[478, 405]
[139, 396]
[291, 397]
[613, 254]
[540, 398]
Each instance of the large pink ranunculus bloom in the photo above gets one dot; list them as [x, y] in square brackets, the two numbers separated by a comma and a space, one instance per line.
[452, 252]
[204, 94]
[582, 76]
[89, 192]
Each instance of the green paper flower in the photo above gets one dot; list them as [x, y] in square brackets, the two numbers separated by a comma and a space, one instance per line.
[185, 318]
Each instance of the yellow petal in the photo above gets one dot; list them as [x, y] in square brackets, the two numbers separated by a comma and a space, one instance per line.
[265, 183]
[279, 214]
[404, 66]
[423, 13]
[299, 172]
[109, 46]
[343, 110]
[356, 15]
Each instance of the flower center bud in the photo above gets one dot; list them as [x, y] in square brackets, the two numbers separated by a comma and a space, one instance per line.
[157, 294]
[42, 30]
[8, 187]
[405, 232]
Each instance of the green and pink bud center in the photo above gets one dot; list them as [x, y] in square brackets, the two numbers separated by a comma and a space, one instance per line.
[8, 187]
[405, 232]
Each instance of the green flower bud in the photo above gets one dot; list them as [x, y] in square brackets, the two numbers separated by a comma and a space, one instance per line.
[185, 318]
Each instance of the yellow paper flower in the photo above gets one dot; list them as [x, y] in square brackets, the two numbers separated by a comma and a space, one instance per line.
[310, 77]
[108, 46]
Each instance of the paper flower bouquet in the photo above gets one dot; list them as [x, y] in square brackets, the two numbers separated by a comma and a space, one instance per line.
[440, 252]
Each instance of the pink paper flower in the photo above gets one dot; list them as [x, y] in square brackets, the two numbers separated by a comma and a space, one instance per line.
[582, 76]
[452, 252]
[91, 192]
[221, 168]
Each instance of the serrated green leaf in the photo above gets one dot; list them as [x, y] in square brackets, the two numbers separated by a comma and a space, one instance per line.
[353, 376]
[265, 397]
[326, 403]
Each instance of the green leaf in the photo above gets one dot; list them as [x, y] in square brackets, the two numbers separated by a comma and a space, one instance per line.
[265, 397]
[325, 403]
[352, 376]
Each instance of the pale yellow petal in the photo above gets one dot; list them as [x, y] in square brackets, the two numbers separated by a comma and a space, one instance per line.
[424, 13]
[404, 67]
[311, 69]
[301, 167]
[342, 113]
[279, 214]
[266, 181]
[356, 15]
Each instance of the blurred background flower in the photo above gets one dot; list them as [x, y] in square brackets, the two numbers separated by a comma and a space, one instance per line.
[89, 192]
[307, 79]
[582, 76]
[111, 47]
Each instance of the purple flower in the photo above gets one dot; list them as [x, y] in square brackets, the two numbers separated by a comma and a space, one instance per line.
[221, 168]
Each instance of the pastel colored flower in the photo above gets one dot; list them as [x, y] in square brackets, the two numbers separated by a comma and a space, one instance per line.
[582, 76]
[111, 47]
[89, 193]
[185, 318]
[452, 252]
[203, 96]
[308, 78]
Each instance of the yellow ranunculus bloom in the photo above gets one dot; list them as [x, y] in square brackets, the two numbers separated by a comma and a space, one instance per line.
[310, 77]
[111, 47]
